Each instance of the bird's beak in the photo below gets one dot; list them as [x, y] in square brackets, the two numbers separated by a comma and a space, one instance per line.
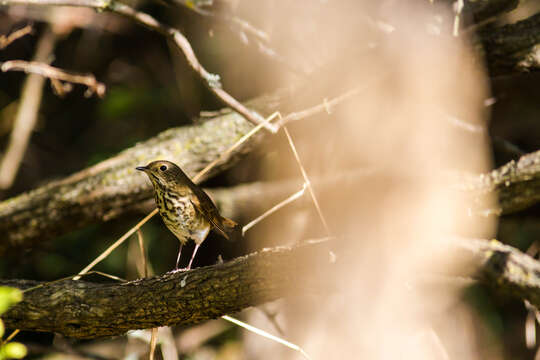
[142, 168]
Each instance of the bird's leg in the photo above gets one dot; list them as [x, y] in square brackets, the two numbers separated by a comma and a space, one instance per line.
[178, 257]
[193, 256]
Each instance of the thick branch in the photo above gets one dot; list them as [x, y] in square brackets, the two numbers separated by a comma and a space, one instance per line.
[106, 190]
[513, 47]
[87, 310]
[81, 309]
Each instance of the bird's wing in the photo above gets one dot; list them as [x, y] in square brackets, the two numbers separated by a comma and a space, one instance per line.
[208, 209]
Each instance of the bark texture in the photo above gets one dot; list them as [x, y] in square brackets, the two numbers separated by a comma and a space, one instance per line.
[516, 183]
[82, 309]
[504, 268]
[514, 47]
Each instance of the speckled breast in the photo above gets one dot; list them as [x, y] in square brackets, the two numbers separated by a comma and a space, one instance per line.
[180, 216]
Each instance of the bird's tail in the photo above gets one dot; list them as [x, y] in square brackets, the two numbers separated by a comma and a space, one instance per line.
[233, 230]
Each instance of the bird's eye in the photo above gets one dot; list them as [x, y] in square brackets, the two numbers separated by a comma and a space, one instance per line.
[163, 167]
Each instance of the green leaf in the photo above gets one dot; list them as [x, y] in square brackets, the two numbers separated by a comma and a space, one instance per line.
[14, 350]
[8, 297]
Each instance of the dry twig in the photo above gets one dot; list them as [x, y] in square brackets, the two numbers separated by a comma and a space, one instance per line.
[27, 114]
[53, 73]
[6, 40]
[212, 81]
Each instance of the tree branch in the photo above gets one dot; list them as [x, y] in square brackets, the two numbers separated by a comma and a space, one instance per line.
[482, 10]
[27, 114]
[211, 81]
[82, 309]
[516, 183]
[504, 268]
[513, 47]
[111, 187]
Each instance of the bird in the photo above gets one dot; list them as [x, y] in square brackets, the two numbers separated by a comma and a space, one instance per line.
[187, 211]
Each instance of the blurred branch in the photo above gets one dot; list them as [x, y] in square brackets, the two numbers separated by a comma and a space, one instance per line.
[82, 309]
[6, 40]
[212, 81]
[113, 186]
[242, 28]
[503, 268]
[513, 47]
[482, 10]
[53, 73]
[241, 24]
[27, 114]
[517, 183]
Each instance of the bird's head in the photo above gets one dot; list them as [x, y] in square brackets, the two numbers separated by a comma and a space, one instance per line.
[164, 173]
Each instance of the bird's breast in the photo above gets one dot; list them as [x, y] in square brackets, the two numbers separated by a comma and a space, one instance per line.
[180, 216]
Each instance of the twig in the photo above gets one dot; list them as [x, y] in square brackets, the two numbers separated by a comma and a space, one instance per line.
[10, 337]
[26, 117]
[240, 23]
[458, 9]
[242, 28]
[307, 182]
[267, 335]
[153, 343]
[53, 73]
[6, 40]
[326, 105]
[117, 243]
[143, 253]
[275, 208]
[242, 140]
[212, 81]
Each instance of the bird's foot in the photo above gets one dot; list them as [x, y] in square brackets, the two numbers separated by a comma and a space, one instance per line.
[179, 270]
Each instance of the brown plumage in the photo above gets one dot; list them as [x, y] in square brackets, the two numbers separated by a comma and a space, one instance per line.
[187, 211]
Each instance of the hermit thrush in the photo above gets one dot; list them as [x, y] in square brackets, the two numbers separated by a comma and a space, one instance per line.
[185, 208]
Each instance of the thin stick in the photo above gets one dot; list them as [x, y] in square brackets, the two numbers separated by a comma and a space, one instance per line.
[243, 139]
[267, 335]
[51, 72]
[10, 337]
[240, 23]
[6, 40]
[326, 105]
[153, 343]
[307, 182]
[143, 253]
[275, 208]
[117, 243]
[458, 9]
[27, 114]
